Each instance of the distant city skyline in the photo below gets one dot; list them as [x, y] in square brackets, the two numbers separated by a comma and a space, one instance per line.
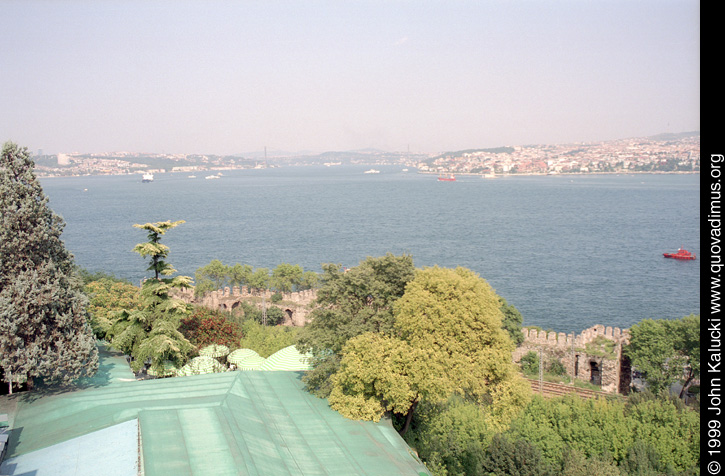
[230, 78]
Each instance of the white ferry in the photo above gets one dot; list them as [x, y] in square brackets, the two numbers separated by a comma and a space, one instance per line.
[147, 178]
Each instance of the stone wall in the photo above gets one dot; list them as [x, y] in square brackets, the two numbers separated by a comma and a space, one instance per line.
[582, 354]
[296, 305]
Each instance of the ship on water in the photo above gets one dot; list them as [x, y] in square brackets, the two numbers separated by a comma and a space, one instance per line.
[147, 177]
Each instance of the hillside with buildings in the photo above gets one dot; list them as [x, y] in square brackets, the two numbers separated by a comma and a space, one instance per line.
[661, 153]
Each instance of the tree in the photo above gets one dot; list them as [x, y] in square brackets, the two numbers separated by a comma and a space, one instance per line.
[378, 374]
[671, 430]
[205, 327]
[594, 427]
[151, 334]
[286, 277]
[606, 430]
[239, 275]
[154, 249]
[643, 460]
[266, 340]
[577, 464]
[666, 351]
[455, 317]
[687, 345]
[512, 322]
[349, 303]
[453, 436]
[513, 458]
[44, 328]
[259, 280]
[211, 277]
[107, 297]
[447, 339]
[310, 280]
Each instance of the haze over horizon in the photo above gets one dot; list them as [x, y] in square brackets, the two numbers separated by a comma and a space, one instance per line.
[225, 78]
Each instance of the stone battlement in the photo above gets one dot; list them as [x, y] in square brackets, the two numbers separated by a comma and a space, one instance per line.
[295, 304]
[582, 361]
[565, 341]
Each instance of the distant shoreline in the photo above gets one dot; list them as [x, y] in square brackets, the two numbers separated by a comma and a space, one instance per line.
[472, 174]
[543, 174]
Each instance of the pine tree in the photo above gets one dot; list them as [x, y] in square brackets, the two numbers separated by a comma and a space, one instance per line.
[44, 327]
[151, 334]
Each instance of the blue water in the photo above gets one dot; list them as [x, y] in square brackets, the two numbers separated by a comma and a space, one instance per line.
[568, 251]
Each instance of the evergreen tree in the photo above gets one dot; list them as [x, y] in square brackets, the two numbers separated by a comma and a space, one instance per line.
[151, 334]
[44, 328]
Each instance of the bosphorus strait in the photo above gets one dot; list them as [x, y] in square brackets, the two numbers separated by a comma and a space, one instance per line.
[568, 251]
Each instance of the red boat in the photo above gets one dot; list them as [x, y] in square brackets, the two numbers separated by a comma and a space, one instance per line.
[681, 254]
[447, 178]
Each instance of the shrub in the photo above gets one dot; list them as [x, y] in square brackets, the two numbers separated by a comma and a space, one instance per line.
[266, 340]
[249, 312]
[106, 296]
[530, 363]
[205, 327]
[555, 367]
[519, 457]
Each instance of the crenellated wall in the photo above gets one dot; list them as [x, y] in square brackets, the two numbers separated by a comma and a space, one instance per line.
[580, 354]
[296, 304]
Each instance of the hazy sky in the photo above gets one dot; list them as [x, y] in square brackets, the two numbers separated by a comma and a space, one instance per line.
[225, 77]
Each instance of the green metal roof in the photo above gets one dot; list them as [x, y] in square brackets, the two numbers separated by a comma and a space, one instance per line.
[231, 423]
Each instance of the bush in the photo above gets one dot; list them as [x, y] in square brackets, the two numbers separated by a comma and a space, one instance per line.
[205, 327]
[518, 457]
[451, 436]
[266, 340]
[530, 363]
[249, 312]
[106, 296]
[276, 297]
[555, 367]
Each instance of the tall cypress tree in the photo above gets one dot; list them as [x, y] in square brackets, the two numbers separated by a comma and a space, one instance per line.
[44, 327]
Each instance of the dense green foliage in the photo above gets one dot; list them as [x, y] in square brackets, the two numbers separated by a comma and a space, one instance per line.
[108, 296]
[266, 340]
[271, 315]
[598, 428]
[150, 335]
[666, 351]
[350, 303]
[205, 327]
[452, 436]
[530, 363]
[447, 338]
[512, 322]
[44, 328]
[284, 278]
[515, 458]
[646, 436]
[89, 277]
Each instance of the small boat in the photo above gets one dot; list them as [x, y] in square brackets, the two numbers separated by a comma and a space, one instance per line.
[681, 254]
[447, 178]
[147, 178]
[210, 177]
[372, 171]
